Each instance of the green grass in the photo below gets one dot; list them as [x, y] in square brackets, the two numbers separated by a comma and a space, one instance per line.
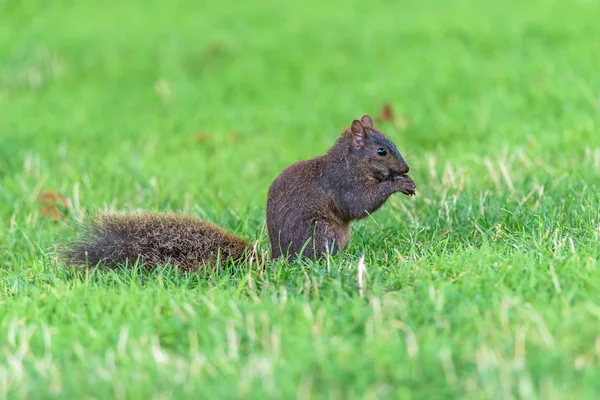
[486, 285]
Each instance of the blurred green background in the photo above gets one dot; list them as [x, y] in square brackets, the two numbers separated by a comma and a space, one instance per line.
[119, 92]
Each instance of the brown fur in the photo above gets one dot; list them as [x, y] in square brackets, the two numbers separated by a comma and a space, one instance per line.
[311, 204]
[157, 239]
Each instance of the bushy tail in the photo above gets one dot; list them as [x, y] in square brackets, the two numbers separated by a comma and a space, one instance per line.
[187, 242]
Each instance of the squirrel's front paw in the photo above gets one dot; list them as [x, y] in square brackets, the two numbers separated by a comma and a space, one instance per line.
[405, 185]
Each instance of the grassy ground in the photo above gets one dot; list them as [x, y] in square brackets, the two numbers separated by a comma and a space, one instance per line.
[485, 285]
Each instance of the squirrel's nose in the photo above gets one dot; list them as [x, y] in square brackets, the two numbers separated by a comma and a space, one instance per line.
[404, 168]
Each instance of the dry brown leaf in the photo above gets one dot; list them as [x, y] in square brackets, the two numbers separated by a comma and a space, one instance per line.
[202, 137]
[386, 114]
[215, 48]
[52, 203]
[234, 137]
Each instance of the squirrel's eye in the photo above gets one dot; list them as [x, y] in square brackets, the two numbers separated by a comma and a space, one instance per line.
[381, 151]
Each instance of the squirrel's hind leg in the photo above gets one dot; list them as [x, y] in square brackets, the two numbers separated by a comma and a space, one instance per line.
[328, 238]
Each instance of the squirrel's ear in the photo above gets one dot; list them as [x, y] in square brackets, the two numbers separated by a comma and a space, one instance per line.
[359, 135]
[367, 121]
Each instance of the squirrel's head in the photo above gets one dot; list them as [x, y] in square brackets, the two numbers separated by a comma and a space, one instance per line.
[374, 152]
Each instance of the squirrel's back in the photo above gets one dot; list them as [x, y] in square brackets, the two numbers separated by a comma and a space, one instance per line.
[113, 239]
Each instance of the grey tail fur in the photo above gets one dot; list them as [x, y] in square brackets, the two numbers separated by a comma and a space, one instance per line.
[189, 243]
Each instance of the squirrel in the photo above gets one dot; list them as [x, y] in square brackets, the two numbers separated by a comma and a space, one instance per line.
[309, 209]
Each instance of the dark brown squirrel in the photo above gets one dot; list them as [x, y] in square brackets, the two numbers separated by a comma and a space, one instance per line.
[309, 208]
